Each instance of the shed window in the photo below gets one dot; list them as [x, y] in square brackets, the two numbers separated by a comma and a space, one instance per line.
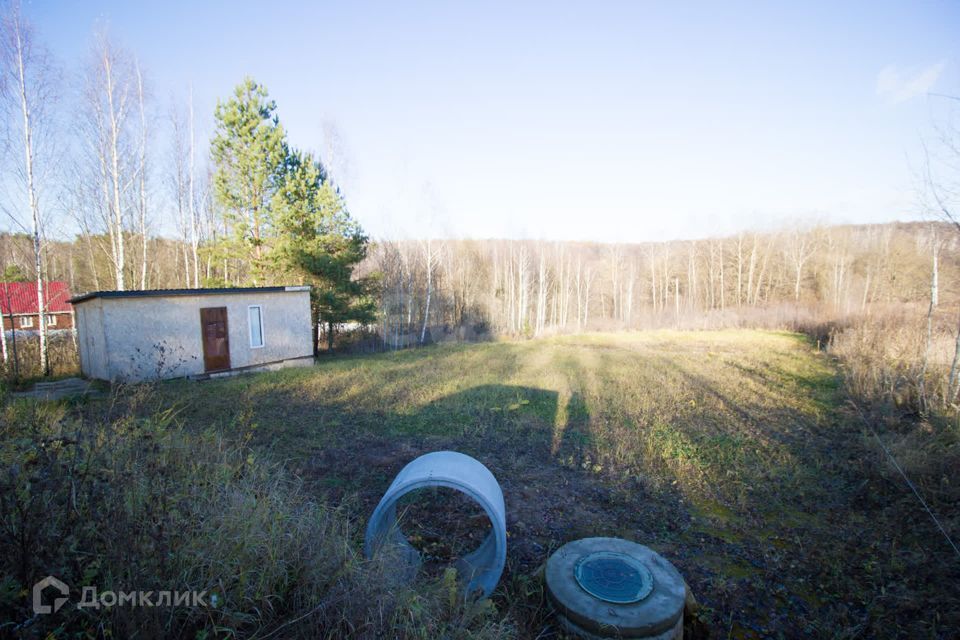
[51, 321]
[255, 316]
[26, 322]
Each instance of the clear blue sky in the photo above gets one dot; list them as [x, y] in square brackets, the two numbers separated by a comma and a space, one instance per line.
[623, 121]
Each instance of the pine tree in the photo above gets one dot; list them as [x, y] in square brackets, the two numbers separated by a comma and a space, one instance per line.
[320, 244]
[249, 152]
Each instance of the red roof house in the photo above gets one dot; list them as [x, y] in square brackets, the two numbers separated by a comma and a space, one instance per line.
[19, 300]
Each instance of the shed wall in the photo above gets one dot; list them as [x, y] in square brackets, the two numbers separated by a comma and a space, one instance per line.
[160, 337]
[91, 340]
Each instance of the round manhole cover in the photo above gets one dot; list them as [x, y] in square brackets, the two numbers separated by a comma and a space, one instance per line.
[614, 588]
[613, 577]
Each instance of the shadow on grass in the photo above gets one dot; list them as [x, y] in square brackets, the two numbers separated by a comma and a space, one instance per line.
[765, 527]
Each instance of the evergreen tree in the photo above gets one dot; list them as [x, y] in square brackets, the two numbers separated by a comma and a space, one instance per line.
[286, 220]
[249, 151]
[14, 273]
[321, 244]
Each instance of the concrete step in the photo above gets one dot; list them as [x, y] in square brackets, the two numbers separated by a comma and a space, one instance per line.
[59, 389]
[62, 384]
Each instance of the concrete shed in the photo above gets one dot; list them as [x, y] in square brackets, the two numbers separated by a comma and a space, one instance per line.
[173, 333]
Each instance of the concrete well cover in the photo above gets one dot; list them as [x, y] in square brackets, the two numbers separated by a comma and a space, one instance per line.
[614, 598]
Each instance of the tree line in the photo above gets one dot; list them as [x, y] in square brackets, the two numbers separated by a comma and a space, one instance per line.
[417, 291]
[530, 288]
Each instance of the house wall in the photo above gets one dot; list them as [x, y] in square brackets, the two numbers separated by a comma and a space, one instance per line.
[64, 321]
[160, 337]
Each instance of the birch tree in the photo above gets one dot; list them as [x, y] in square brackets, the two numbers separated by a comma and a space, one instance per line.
[429, 262]
[192, 199]
[178, 181]
[142, 174]
[540, 322]
[109, 94]
[801, 248]
[934, 294]
[580, 287]
[29, 90]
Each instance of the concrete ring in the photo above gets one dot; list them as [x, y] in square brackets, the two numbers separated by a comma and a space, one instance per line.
[482, 567]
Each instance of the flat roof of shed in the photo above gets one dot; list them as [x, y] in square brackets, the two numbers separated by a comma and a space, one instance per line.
[162, 293]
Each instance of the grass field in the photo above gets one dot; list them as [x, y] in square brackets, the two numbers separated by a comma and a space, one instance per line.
[729, 452]
[732, 453]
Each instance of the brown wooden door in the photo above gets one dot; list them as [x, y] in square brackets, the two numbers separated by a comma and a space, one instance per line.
[216, 340]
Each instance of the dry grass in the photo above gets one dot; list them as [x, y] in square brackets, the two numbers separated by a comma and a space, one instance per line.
[731, 452]
[883, 357]
[136, 503]
[882, 363]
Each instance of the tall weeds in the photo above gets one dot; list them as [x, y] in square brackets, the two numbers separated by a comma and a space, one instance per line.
[141, 504]
[882, 358]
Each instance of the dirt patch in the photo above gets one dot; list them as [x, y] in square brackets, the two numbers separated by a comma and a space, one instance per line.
[442, 524]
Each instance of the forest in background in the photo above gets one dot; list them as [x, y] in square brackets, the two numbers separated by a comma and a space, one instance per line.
[433, 288]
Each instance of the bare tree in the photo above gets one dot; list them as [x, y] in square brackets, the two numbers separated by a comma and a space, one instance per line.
[109, 92]
[429, 260]
[522, 285]
[692, 276]
[676, 300]
[194, 217]
[653, 281]
[739, 270]
[751, 269]
[942, 193]
[541, 292]
[27, 69]
[178, 181]
[934, 294]
[580, 288]
[334, 155]
[142, 175]
[801, 248]
[588, 283]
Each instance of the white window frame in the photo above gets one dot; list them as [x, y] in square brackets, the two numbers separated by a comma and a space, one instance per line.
[26, 322]
[51, 320]
[263, 337]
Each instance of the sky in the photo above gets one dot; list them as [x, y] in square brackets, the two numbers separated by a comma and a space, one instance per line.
[627, 122]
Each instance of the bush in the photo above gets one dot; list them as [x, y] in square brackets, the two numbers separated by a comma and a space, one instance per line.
[141, 504]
